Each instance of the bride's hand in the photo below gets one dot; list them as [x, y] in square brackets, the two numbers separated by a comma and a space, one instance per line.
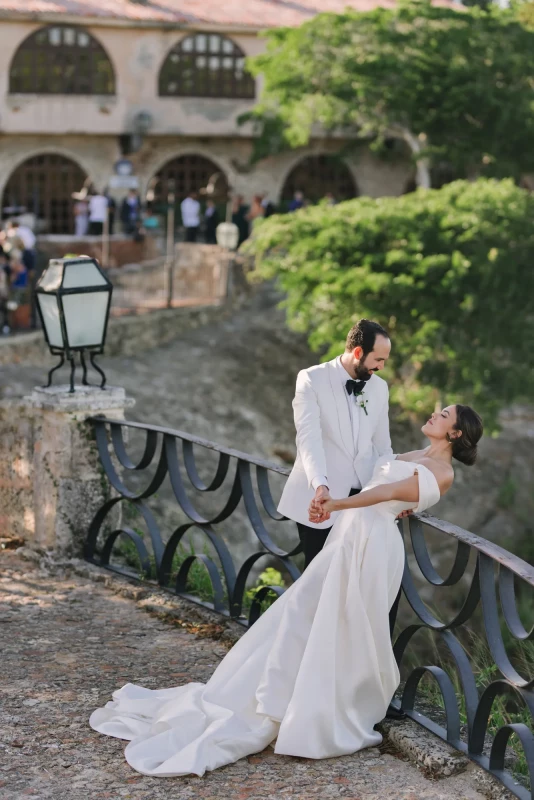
[327, 505]
[320, 509]
[316, 513]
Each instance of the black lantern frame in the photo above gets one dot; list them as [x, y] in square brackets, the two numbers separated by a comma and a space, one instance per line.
[67, 351]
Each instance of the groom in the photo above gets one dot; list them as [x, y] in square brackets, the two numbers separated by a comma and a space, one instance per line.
[341, 417]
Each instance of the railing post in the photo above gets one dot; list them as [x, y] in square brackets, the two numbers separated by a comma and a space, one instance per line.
[51, 454]
[171, 199]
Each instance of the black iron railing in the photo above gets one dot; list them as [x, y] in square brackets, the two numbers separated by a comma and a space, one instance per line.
[488, 578]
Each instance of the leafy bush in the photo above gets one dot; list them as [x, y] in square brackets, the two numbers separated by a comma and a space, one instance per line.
[449, 272]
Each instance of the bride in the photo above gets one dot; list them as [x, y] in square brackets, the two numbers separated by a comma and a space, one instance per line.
[317, 671]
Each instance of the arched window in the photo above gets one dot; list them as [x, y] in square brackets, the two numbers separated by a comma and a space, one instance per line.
[61, 59]
[44, 185]
[206, 65]
[317, 176]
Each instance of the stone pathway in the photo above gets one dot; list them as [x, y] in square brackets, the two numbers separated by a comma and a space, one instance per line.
[68, 642]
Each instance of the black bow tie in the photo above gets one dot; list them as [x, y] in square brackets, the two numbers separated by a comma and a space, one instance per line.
[355, 387]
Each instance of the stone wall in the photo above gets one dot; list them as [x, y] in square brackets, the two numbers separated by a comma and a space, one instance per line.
[137, 54]
[374, 177]
[17, 513]
[128, 335]
[122, 249]
[203, 277]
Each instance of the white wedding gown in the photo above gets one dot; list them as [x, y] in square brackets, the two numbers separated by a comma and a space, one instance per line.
[316, 672]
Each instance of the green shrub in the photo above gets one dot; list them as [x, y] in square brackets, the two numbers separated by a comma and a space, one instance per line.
[448, 272]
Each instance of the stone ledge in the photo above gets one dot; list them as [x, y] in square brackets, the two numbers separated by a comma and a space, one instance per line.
[432, 755]
[58, 398]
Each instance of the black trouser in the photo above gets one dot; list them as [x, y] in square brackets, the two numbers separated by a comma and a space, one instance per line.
[191, 234]
[96, 228]
[313, 539]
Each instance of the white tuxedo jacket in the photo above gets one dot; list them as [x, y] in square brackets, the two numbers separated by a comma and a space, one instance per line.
[325, 442]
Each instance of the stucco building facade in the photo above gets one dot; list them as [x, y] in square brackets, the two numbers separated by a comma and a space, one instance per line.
[84, 84]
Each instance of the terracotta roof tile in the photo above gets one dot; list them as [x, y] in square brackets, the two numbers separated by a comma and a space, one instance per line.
[248, 13]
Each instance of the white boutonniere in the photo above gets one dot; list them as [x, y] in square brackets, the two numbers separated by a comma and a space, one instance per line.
[363, 403]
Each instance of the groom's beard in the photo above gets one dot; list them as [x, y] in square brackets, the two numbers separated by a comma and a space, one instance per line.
[362, 373]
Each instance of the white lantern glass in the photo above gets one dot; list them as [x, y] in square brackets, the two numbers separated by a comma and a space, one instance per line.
[51, 279]
[80, 274]
[227, 235]
[85, 318]
[50, 314]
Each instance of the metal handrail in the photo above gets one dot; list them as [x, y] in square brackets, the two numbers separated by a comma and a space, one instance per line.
[494, 566]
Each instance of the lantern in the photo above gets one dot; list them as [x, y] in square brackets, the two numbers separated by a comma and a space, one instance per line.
[73, 298]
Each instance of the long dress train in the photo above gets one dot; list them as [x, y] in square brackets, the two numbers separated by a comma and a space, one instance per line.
[316, 672]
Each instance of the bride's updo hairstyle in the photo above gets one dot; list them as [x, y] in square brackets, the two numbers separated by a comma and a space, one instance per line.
[464, 447]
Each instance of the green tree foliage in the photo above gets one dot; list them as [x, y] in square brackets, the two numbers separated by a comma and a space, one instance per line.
[524, 12]
[455, 85]
[449, 272]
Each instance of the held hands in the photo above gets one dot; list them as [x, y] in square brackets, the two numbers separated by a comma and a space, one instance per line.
[321, 506]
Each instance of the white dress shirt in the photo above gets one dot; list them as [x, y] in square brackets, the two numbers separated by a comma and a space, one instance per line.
[354, 412]
[26, 236]
[190, 212]
[98, 208]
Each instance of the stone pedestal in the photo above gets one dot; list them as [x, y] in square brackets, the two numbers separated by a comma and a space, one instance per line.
[51, 480]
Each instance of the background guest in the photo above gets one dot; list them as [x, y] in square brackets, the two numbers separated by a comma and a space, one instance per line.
[268, 207]
[81, 217]
[212, 220]
[239, 217]
[112, 208]
[256, 209]
[297, 202]
[27, 240]
[98, 209]
[24, 240]
[190, 208]
[130, 212]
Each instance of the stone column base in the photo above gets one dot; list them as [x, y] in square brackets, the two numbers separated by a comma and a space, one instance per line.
[51, 481]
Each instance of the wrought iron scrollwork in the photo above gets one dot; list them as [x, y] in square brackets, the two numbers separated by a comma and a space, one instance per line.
[484, 574]
[171, 454]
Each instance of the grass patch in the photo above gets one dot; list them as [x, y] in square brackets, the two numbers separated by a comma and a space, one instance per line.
[505, 710]
[198, 580]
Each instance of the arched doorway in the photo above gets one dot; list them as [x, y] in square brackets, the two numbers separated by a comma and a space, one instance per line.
[188, 173]
[315, 176]
[44, 185]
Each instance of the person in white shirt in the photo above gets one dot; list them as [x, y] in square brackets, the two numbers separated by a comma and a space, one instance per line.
[341, 417]
[190, 208]
[81, 217]
[98, 210]
[25, 234]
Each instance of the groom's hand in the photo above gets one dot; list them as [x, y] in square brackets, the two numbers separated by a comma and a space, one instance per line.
[322, 493]
[316, 513]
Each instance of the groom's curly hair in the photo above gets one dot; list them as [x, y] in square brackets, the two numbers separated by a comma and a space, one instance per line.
[363, 335]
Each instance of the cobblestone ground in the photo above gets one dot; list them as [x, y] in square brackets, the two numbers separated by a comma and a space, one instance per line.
[68, 642]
